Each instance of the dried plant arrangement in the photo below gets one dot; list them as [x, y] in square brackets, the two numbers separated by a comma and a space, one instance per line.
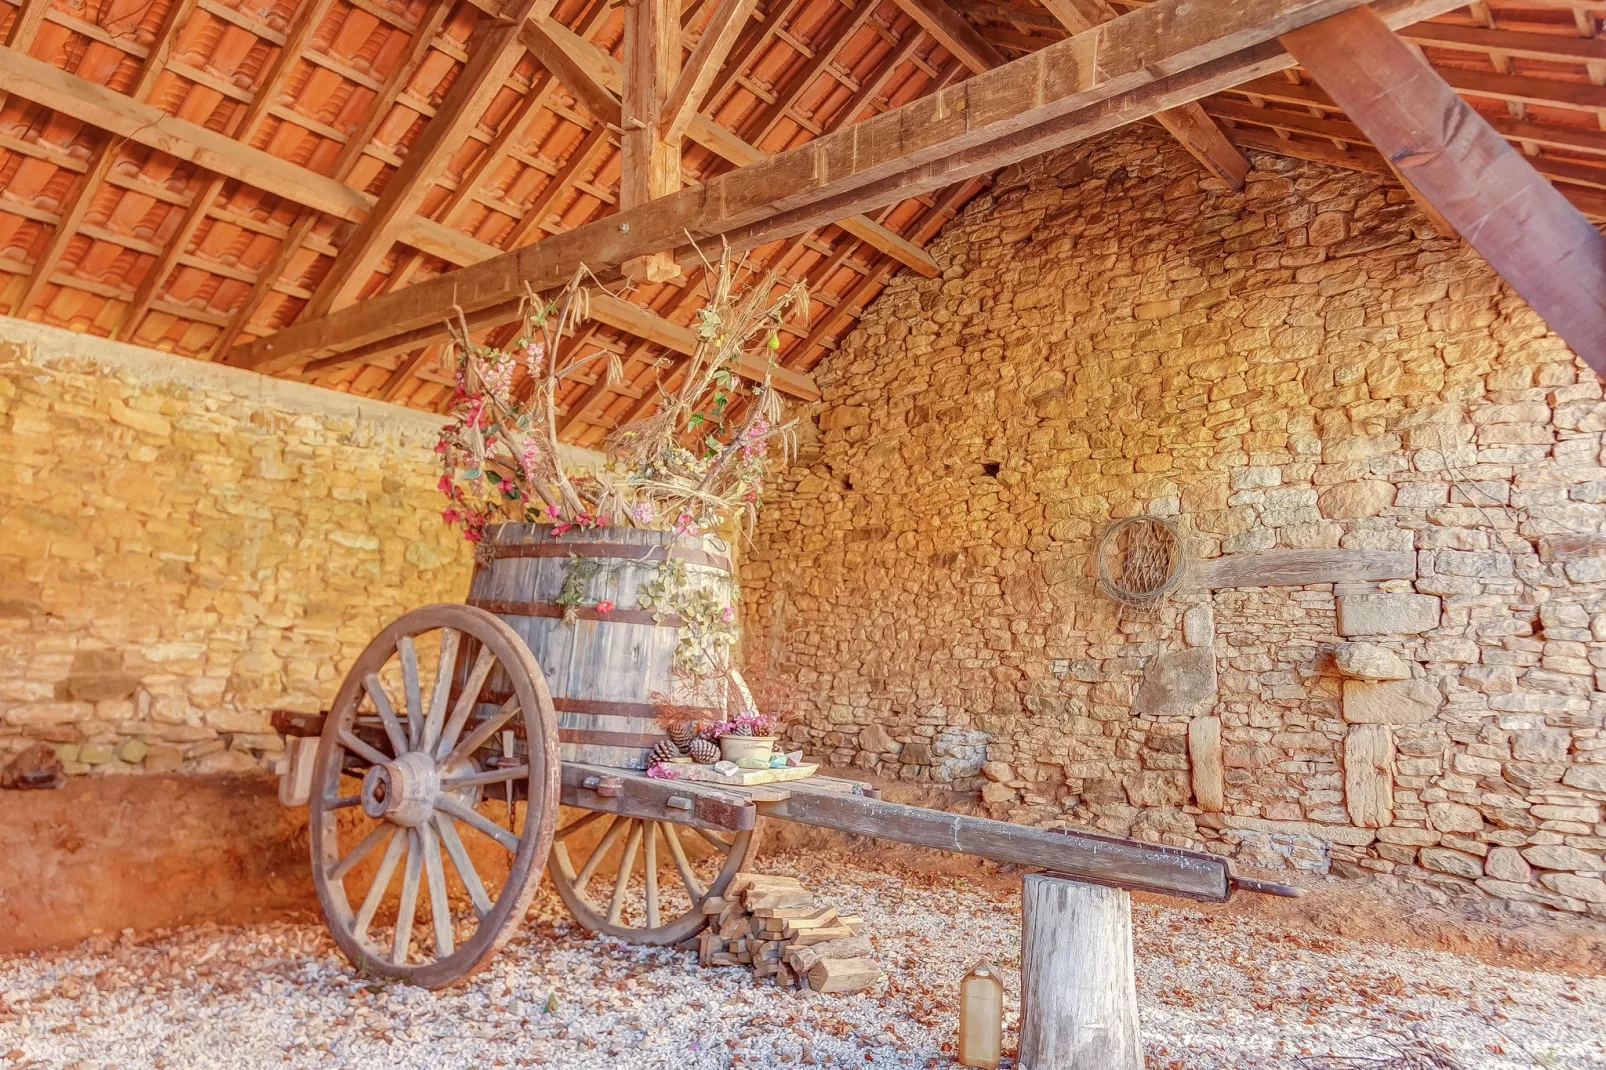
[691, 467]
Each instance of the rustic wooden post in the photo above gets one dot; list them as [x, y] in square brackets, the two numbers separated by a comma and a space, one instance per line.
[1079, 1002]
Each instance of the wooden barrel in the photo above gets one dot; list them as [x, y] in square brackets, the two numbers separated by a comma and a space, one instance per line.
[611, 673]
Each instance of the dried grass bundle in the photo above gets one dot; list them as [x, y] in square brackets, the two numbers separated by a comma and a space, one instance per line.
[692, 466]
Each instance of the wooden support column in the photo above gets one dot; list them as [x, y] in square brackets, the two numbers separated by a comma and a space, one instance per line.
[650, 165]
[1537, 241]
[1078, 990]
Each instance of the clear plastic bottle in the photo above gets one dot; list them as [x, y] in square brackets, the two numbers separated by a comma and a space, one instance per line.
[981, 1016]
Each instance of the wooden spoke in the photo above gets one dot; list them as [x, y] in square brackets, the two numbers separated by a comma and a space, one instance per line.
[490, 776]
[435, 873]
[357, 746]
[487, 728]
[441, 691]
[387, 716]
[477, 821]
[627, 862]
[591, 817]
[650, 862]
[609, 838]
[379, 834]
[409, 899]
[415, 703]
[677, 850]
[376, 890]
[723, 845]
[466, 701]
[463, 864]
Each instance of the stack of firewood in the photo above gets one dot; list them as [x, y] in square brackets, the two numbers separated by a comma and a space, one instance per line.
[782, 930]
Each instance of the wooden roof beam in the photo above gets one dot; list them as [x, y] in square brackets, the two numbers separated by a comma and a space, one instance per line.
[686, 97]
[494, 58]
[1193, 129]
[1153, 58]
[607, 76]
[1540, 244]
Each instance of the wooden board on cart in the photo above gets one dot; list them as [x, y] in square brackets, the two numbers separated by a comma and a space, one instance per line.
[707, 774]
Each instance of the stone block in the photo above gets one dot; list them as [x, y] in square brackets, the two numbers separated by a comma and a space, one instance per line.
[917, 754]
[1562, 857]
[1507, 864]
[1444, 860]
[1178, 684]
[1454, 817]
[1586, 777]
[1387, 614]
[1204, 751]
[1369, 661]
[1156, 788]
[1589, 889]
[1199, 626]
[1347, 501]
[1369, 775]
[1396, 702]
[875, 740]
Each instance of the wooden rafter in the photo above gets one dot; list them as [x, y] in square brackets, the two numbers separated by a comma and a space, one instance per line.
[494, 58]
[401, 75]
[1081, 86]
[685, 98]
[1540, 244]
[77, 206]
[302, 27]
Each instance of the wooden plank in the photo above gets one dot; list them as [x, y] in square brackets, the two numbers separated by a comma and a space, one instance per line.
[643, 797]
[1295, 568]
[1156, 57]
[686, 97]
[1541, 46]
[1083, 856]
[1538, 242]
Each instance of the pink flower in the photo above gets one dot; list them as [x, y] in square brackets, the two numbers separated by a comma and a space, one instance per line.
[451, 516]
[660, 771]
[604, 606]
[727, 614]
[472, 536]
[552, 511]
[560, 527]
[642, 513]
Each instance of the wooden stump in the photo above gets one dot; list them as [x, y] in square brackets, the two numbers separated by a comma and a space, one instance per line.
[1079, 1003]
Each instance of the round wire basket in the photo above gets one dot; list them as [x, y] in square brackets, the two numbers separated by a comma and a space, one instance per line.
[1141, 560]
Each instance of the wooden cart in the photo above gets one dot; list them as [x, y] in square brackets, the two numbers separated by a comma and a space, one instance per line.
[459, 784]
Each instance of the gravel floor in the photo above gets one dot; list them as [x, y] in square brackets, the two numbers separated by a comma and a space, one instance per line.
[1214, 992]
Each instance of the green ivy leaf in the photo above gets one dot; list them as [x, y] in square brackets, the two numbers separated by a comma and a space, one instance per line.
[493, 477]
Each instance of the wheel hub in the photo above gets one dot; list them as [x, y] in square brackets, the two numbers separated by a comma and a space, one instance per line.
[402, 791]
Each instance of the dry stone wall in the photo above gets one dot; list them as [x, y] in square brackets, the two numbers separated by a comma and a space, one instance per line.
[185, 548]
[1301, 366]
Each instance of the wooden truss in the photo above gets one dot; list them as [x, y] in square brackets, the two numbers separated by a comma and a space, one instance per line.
[507, 143]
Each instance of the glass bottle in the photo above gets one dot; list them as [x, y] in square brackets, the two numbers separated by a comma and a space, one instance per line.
[981, 1016]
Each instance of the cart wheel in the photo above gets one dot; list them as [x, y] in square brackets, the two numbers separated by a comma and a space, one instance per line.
[412, 770]
[649, 907]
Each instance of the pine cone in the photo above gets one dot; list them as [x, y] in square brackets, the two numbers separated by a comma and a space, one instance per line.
[704, 752]
[682, 734]
[743, 729]
[665, 751]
